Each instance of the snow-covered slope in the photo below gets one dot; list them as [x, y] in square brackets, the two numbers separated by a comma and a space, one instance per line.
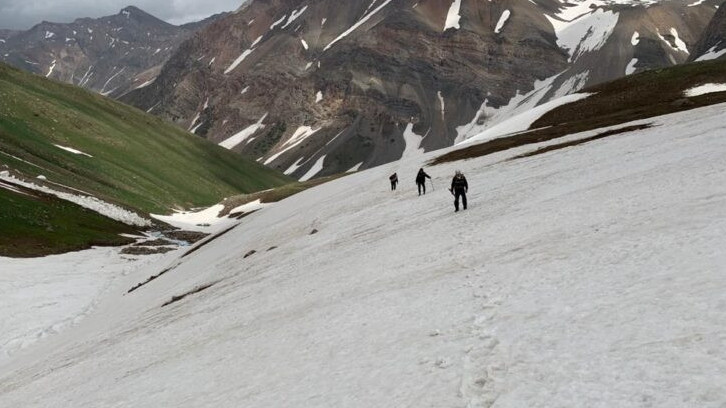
[585, 277]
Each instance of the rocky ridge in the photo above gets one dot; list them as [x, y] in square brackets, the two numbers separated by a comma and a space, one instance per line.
[110, 55]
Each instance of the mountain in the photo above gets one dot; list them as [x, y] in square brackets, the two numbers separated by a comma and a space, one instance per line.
[318, 87]
[63, 141]
[713, 40]
[5, 34]
[589, 275]
[110, 55]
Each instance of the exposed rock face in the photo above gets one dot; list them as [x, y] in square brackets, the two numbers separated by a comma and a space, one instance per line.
[712, 43]
[110, 55]
[317, 87]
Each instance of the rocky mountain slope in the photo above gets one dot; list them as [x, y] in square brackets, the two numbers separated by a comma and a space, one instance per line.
[712, 44]
[110, 55]
[313, 88]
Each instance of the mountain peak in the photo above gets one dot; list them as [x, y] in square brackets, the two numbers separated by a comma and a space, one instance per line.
[136, 12]
[131, 9]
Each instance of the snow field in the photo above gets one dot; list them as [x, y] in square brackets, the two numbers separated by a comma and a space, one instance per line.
[44, 297]
[589, 276]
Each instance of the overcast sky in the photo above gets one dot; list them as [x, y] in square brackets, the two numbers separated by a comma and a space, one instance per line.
[23, 14]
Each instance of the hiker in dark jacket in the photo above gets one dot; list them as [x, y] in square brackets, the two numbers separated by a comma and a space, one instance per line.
[394, 180]
[421, 181]
[459, 188]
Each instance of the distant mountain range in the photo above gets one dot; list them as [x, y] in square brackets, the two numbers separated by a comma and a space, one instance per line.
[320, 87]
[110, 55]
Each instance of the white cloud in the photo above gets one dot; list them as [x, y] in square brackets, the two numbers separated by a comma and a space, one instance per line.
[22, 14]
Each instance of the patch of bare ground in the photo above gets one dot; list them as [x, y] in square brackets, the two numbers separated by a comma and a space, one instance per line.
[187, 236]
[271, 196]
[635, 97]
[196, 290]
[583, 140]
[152, 278]
[144, 250]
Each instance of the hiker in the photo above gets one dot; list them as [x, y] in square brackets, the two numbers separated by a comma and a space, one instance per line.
[394, 180]
[421, 180]
[459, 188]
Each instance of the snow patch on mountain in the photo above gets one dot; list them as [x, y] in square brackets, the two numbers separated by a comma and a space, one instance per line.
[631, 66]
[442, 105]
[712, 54]
[203, 220]
[523, 121]
[239, 60]
[234, 140]
[584, 33]
[50, 70]
[678, 44]
[147, 83]
[355, 168]
[314, 170]
[298, 163]
[278, 22]
[72, 150]
[704, 89]
[502, 20]
[453, 16]
[358, 24]
[572, 85]
[413, 142]
[113, 76]
[294, 15]
[302, 133]
[488, 116]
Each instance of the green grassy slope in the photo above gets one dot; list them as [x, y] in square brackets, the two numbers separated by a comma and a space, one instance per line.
[640, 96]
[138, 160]
[34, 224]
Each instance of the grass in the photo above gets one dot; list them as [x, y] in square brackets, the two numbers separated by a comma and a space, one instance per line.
[635, 97]
[139, 162]
[36, 224]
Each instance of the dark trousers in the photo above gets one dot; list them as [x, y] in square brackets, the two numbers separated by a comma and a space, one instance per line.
[393, 185]
[459, 192]
[421, 187]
